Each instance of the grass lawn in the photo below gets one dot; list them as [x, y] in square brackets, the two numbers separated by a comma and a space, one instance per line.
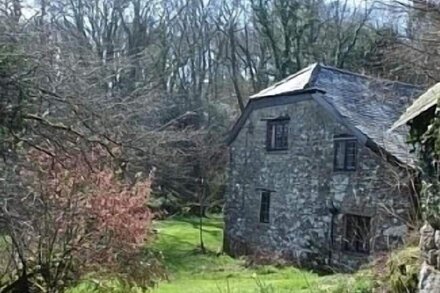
[191, 271]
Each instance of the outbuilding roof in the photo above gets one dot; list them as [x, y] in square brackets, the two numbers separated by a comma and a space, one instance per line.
[366, 104]
[422, 104]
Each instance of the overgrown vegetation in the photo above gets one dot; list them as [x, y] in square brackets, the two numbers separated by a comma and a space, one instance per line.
[396, 271]
[402, 271]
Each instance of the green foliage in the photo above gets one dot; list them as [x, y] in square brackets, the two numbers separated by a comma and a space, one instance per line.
[431, 186]
[425, 136]
[430, 203]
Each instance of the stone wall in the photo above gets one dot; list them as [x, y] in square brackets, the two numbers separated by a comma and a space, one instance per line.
[303, 183]
[429, 279]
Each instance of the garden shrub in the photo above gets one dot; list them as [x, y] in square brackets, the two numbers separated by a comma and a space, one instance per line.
[402, 270]
[79, 215]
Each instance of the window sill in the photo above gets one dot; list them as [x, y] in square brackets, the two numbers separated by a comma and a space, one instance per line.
[264, 224]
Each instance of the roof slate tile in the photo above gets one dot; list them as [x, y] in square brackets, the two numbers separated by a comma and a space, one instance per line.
[369, 104]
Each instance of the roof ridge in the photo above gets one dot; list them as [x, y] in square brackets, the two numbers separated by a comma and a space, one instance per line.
[348, 72]
[314, 75]
[289, 77]
[311, 67]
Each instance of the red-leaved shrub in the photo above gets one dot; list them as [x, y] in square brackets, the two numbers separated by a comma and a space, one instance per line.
[120, 209]
[110, 214]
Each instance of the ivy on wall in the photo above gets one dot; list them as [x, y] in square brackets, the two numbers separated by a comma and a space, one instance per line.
[425, 137]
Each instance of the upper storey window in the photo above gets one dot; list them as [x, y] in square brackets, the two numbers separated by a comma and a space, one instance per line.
[345, 153]
[277, 134]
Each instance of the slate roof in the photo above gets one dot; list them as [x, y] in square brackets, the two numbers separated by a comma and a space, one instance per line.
[367, 104]
[423, 103]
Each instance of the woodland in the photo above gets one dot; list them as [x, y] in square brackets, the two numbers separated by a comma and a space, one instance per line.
[114, 114]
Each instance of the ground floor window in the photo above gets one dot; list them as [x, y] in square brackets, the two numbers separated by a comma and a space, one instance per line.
[357, 233]
[265, 206]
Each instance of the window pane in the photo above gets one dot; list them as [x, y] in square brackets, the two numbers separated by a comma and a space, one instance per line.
[285, 135]
[270, 136]
[350, 158]
[265, 207]
[277, 135]
[339, 155]
[273, 137]
[345, 154]
[281, 135]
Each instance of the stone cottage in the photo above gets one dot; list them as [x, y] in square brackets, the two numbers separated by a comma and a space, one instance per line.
[315, 175]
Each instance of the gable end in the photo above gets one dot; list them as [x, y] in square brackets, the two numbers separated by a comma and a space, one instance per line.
[269, 101]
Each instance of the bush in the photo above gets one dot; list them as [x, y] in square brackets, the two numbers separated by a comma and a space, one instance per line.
[77, 215]
[396, 272]
[402, 270]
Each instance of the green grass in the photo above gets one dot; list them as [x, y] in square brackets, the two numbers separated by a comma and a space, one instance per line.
[192, 271]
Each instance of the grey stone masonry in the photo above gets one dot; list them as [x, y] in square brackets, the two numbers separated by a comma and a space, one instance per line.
[310, 203]
[429, 279]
